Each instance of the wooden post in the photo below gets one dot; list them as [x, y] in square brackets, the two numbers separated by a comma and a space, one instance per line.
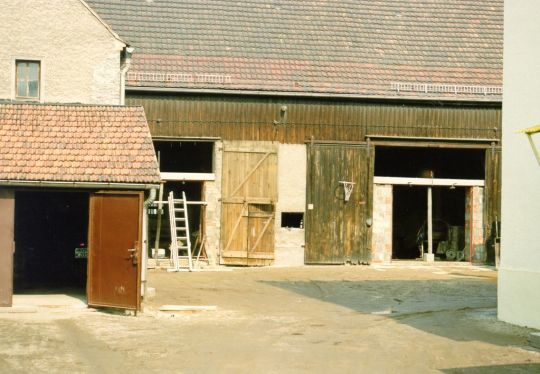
[7, 246]
[158, 228]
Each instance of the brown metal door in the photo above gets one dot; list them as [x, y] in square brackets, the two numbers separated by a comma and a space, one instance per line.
[7, 246]
[249, 190]
[114, 241]
[336, 230]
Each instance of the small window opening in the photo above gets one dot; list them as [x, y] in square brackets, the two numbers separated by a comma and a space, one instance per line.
[27, 79]
[292, 219]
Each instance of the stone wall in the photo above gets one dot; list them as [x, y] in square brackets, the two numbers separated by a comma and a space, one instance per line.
[474, 216]
[79, 56]
[213, 209]
[382, 223]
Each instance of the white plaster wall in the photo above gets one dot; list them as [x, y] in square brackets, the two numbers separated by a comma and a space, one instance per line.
[292, 164]
[382, 223]
[80, 58]
[519, 274]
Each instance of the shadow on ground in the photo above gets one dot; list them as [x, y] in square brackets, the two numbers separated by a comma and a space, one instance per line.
[516, 368]
[459, 309]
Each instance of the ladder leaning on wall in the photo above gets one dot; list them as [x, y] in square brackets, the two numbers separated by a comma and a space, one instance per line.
[180, 240]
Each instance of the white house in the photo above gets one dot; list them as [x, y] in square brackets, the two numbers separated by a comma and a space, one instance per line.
[519, 276]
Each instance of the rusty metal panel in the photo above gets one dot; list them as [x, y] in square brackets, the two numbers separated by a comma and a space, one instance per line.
[114, 246]
[259, 118]
[336, 230]
[7, 246]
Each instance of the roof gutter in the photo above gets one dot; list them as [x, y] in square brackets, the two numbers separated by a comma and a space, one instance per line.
[126, 56]
[84, 185]
[307, 94]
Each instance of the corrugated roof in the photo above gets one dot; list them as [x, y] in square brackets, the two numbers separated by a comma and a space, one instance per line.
[76, 143]
[340, 47]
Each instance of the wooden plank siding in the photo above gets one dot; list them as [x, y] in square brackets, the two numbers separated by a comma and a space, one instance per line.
[492, 199]
[249, 196]
[252, 118]
[337, 230]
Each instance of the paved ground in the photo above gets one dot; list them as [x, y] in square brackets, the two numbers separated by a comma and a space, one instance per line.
[302, 320]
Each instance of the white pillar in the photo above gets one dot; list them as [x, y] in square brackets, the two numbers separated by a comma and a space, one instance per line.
[430, 257]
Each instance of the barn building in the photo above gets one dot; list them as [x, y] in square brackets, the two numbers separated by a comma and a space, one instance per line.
[270, 111]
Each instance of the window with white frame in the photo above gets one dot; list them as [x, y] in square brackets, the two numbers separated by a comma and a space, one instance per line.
[27, 85]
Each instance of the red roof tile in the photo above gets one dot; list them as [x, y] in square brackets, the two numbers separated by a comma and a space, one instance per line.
[76, 143]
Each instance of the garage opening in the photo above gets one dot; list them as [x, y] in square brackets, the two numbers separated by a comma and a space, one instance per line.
[408, 174]
[409, 222]
[51, 231]
[185, 166]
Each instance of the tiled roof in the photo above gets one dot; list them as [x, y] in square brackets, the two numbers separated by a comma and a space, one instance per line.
[345, 47]
[76, 143]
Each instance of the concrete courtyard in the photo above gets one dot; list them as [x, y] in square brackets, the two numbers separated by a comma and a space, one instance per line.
[406, 318]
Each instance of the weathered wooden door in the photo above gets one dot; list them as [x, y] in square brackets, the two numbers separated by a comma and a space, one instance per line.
[337, 230]
[249, 194]
[7, 246]
[114, 250]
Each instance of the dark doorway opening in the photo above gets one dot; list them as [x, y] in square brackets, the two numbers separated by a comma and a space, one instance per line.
[184, 156]
[49, 227]
[410, 222]
[194, 192]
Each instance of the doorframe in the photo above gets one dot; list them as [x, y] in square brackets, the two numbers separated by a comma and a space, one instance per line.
[7, 246]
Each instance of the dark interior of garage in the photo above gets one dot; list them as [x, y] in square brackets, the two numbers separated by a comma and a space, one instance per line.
[410, 222]
[425, 162]
[49, 229]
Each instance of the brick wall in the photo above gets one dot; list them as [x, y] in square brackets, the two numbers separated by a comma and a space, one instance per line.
[382, 224]
[474, 221]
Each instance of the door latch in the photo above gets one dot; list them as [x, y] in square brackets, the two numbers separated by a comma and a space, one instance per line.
[133, 254]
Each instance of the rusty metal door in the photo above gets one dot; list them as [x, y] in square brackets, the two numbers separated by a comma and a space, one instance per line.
[249, 192]
[114, 250]
[337, 230]
[7, 246]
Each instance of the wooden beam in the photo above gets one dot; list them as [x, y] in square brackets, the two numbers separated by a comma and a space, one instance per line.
[189, 177]
[434, 182]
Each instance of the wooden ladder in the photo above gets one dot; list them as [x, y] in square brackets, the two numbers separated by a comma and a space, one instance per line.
[180, 240]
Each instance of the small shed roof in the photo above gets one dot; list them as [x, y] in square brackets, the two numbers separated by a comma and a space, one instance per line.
[76, 143]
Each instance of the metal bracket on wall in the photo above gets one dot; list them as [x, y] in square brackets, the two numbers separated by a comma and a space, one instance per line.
[282, 116]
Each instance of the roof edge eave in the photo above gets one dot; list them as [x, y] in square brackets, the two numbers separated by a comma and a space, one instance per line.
[82, 185]
[105, 24]
[484, 100]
